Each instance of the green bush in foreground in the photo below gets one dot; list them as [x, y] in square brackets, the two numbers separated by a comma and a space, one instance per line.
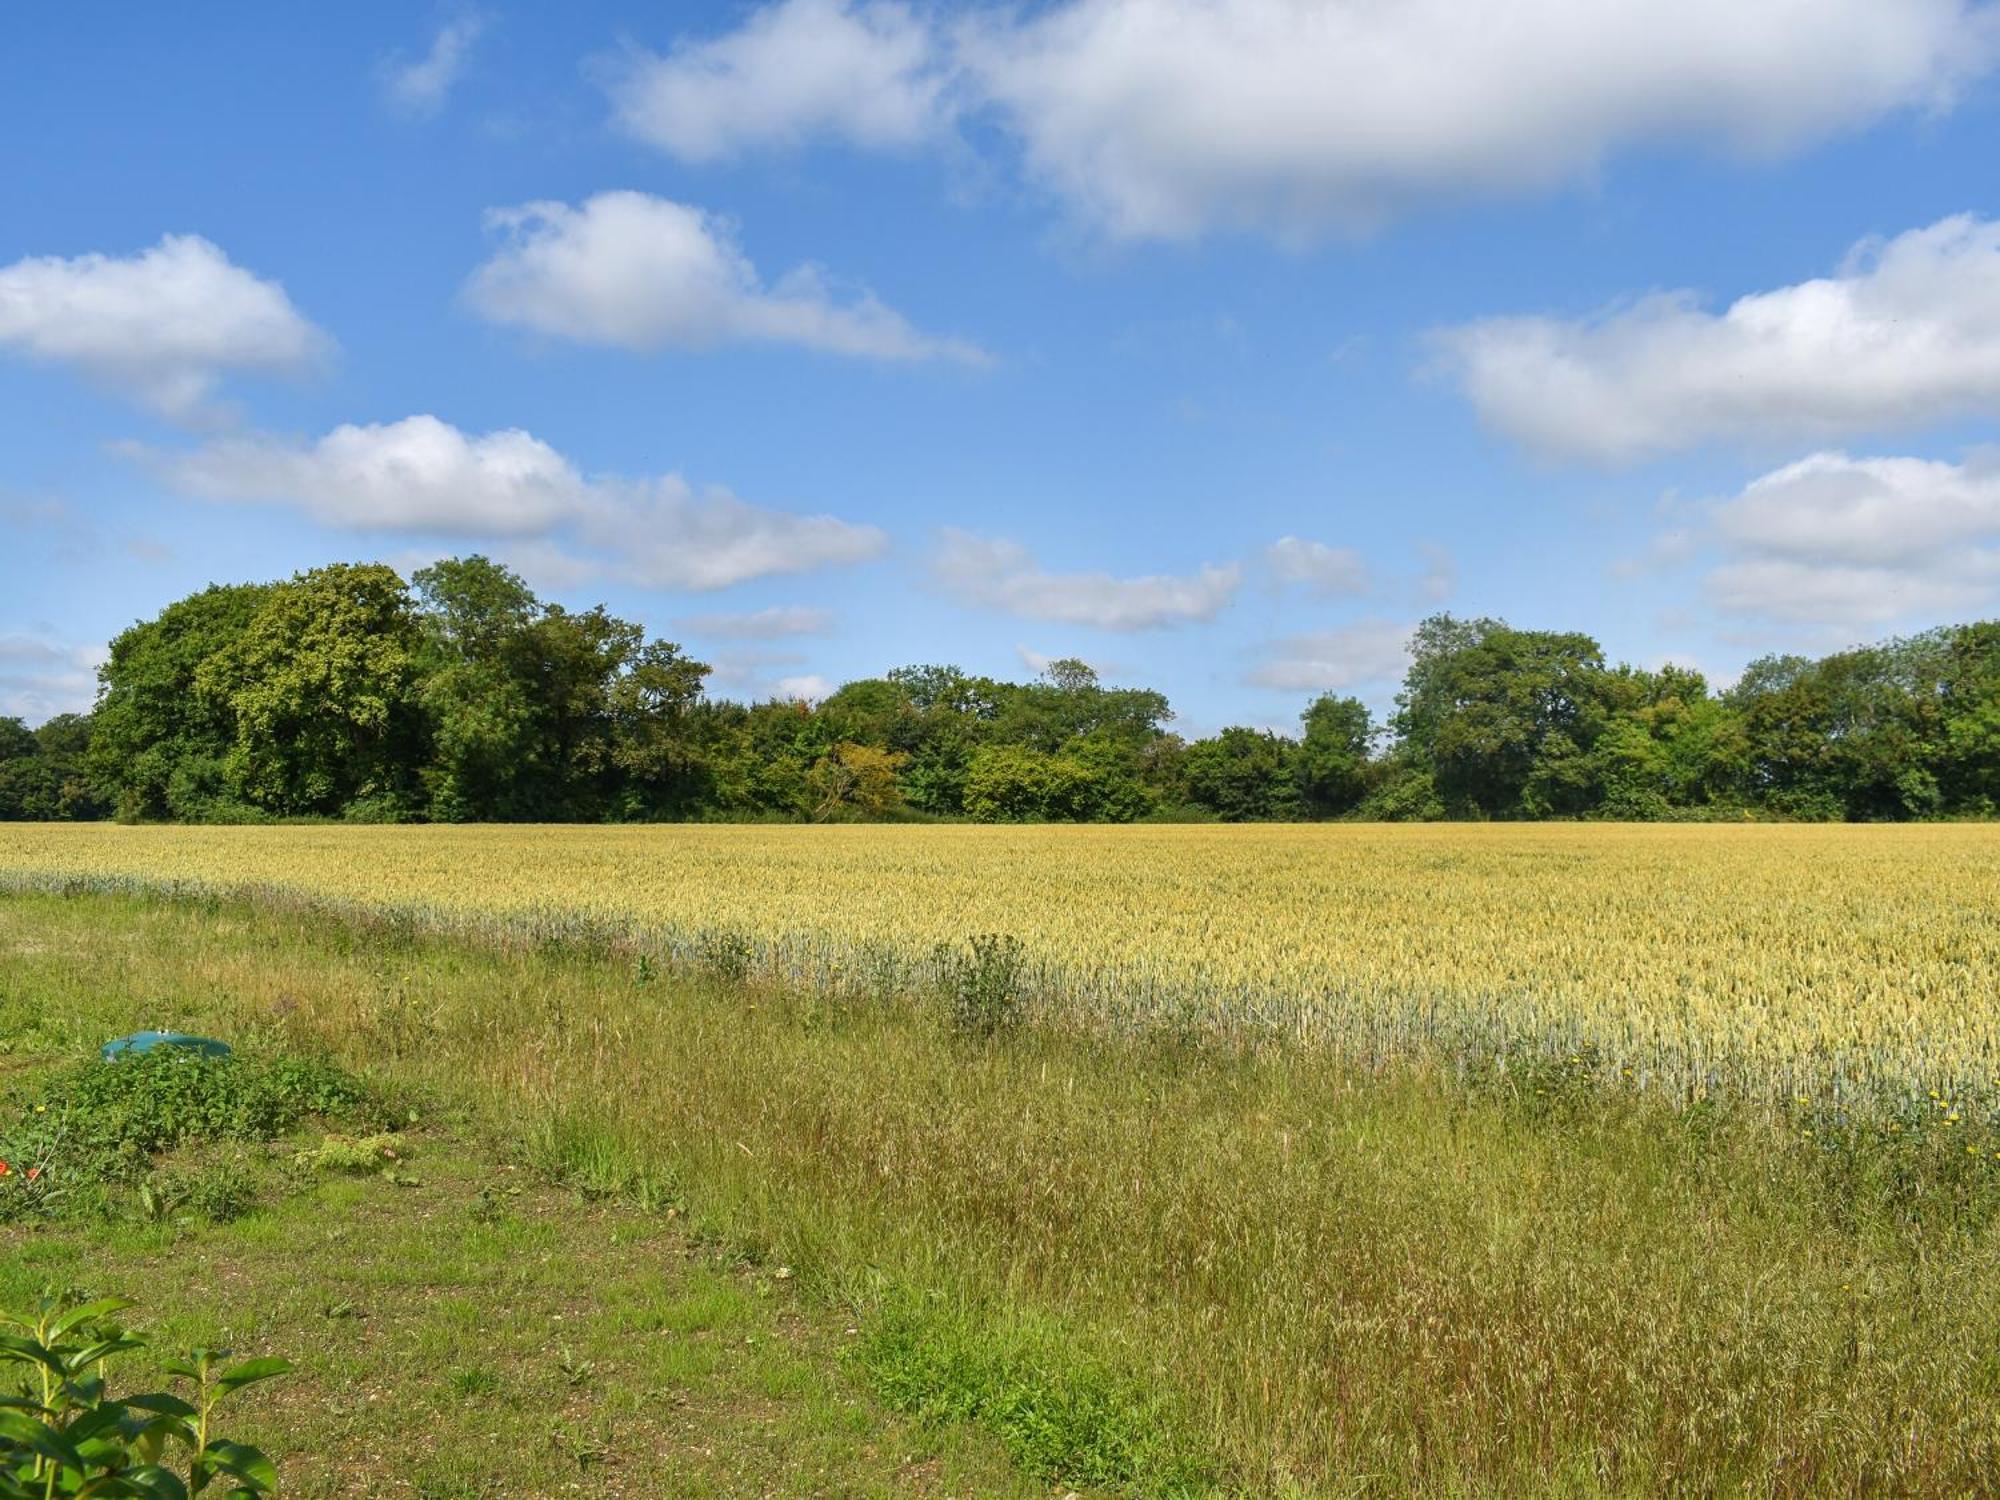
[63, 1433]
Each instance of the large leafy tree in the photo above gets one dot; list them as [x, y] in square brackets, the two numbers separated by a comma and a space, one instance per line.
[1243, 775]
[478, 700]
[656, 748]
[321, 686]
[1331, 765]
[157, 744]
[1503, 718]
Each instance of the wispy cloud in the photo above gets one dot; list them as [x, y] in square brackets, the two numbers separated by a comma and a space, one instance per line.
[420, 88]
[1004, 575]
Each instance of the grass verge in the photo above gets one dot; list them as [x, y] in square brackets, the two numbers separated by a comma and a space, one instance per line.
[1164, 1269]
[462, 1329]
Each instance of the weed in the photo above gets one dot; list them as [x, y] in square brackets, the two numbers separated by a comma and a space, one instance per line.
[470, 1385]
[217, 1193]
[346, 1153]
[163, 1099]
[726, 957]
[982, 985]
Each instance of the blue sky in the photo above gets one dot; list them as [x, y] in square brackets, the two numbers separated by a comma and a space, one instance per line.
[1215, 343]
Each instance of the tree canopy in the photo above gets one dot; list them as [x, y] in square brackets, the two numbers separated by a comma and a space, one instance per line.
[347, 692]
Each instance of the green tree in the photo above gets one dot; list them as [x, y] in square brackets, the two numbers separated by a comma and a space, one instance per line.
[1331, 765]
[1017, 783]
[321, 687]
[1243, 775]
[157, 744]
[1503, 719]
[474, 691]
[1969, 711]
[656, 749]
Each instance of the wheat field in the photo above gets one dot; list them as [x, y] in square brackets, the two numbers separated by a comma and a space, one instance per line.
[1776, 959]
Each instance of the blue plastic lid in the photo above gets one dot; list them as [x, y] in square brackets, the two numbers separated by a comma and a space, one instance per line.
[146, 1041]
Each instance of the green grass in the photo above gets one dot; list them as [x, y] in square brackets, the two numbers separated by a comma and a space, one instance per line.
[478, 1332]
[1153, 1268]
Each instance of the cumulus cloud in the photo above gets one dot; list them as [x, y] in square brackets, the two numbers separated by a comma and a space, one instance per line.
[1170, 118]
[1316, 566]
[774, 623]
[1905, 333]
[423, 475]
[419, 474]
[1857, 542]
[421, 87]
[1004, 575]
[868, 74]
[643, 273]
[163, 326]
[40, 678]
[1366, 652]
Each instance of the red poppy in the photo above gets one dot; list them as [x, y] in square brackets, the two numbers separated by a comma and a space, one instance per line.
[33, 1173]
[4, 1169]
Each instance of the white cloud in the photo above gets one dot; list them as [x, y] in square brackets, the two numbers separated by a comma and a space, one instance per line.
[1368, 651]
[419, 474]
[869, 74]
[1004, 575]
[163, 326]
[774, 623]
[1169, 118]
[40, 678]
[421, 87]
[1318, 567]
[1906, 333]
[663, 534]
[424, 475]
[748, 673]
[643, 273]
[1858, 542]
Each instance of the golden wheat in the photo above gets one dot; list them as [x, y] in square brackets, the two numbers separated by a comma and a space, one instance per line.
[1786, 958]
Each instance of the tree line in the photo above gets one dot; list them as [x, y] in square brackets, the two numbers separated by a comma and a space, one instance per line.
[347, 692]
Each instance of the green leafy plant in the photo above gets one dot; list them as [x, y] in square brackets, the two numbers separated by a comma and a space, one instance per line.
[167, 1098]
[218, 1194]
[102, 1127]
[63, 1434]
[344, 1153]
[726, 957]
[982, 985]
